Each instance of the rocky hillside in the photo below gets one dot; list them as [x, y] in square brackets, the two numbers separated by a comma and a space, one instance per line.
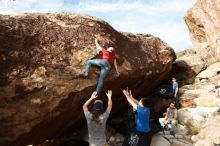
[199, 68]
[203, 116]
[41, 56]
[203, 21]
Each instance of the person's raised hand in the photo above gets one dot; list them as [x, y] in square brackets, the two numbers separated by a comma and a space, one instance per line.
[94, 95]
[130, 94]
[126, 93]
[109, 93]
[96, 40]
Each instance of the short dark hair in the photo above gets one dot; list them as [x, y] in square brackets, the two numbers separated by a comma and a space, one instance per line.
[146, 102]
[173, 102]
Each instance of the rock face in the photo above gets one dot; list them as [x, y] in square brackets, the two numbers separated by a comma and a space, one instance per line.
[41, 56]
[195, 118]
[158, 141]
[187, 67]
[201, 120]
[166, 139]
[211, 71]
[205, 137]
[203, 21]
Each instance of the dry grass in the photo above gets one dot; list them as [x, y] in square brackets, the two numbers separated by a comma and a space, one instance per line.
[192, 130]
[180, 54]
[213, 60]
[196, 86]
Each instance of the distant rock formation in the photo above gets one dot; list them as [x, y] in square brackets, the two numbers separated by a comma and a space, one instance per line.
[203, 21]
[202, 63]
[42, 54]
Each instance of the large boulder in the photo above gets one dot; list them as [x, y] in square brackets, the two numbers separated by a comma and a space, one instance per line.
[158, 140]
[194, 118]
[191, 120]
[210, 72]
[187, 67]
[41, 57]
[165, 139]
[210, 134]
[203, 21]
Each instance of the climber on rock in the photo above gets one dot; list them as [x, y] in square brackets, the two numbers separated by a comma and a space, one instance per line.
[105, 63]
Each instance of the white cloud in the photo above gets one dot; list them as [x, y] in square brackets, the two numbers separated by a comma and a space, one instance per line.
[174, 33]
[157, 6]
[162, 18]
[19, 6]
[107, 7]
[165, 21]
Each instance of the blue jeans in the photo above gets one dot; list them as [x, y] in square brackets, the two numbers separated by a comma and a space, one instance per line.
[105, 67]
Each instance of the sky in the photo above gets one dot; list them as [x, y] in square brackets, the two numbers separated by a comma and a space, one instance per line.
[161, 18]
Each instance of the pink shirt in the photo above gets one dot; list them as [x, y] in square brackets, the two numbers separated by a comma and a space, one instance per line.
[109, 56]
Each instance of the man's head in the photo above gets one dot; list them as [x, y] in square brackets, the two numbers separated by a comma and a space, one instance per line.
[111, 49]
[172, 105]
[97, 110]
[144, 102]
[173, 80]
[98, 105]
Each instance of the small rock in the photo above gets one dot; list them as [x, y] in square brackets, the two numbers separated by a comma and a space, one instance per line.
[112, 139]
[159, 141]
[118, 139]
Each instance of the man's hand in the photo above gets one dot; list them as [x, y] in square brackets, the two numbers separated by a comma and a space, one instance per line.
[109, 94]
[94, 95]
[86, 104]
[130, 94]
[96, 41]
[127, 92]
[168, 121]
[129, 97]
[97, 45]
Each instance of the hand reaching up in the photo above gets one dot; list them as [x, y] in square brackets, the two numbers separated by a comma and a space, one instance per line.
[109, 94]
[94, 95]
[127, 93]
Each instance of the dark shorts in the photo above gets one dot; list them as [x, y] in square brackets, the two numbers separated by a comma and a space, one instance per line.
[177, 101]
